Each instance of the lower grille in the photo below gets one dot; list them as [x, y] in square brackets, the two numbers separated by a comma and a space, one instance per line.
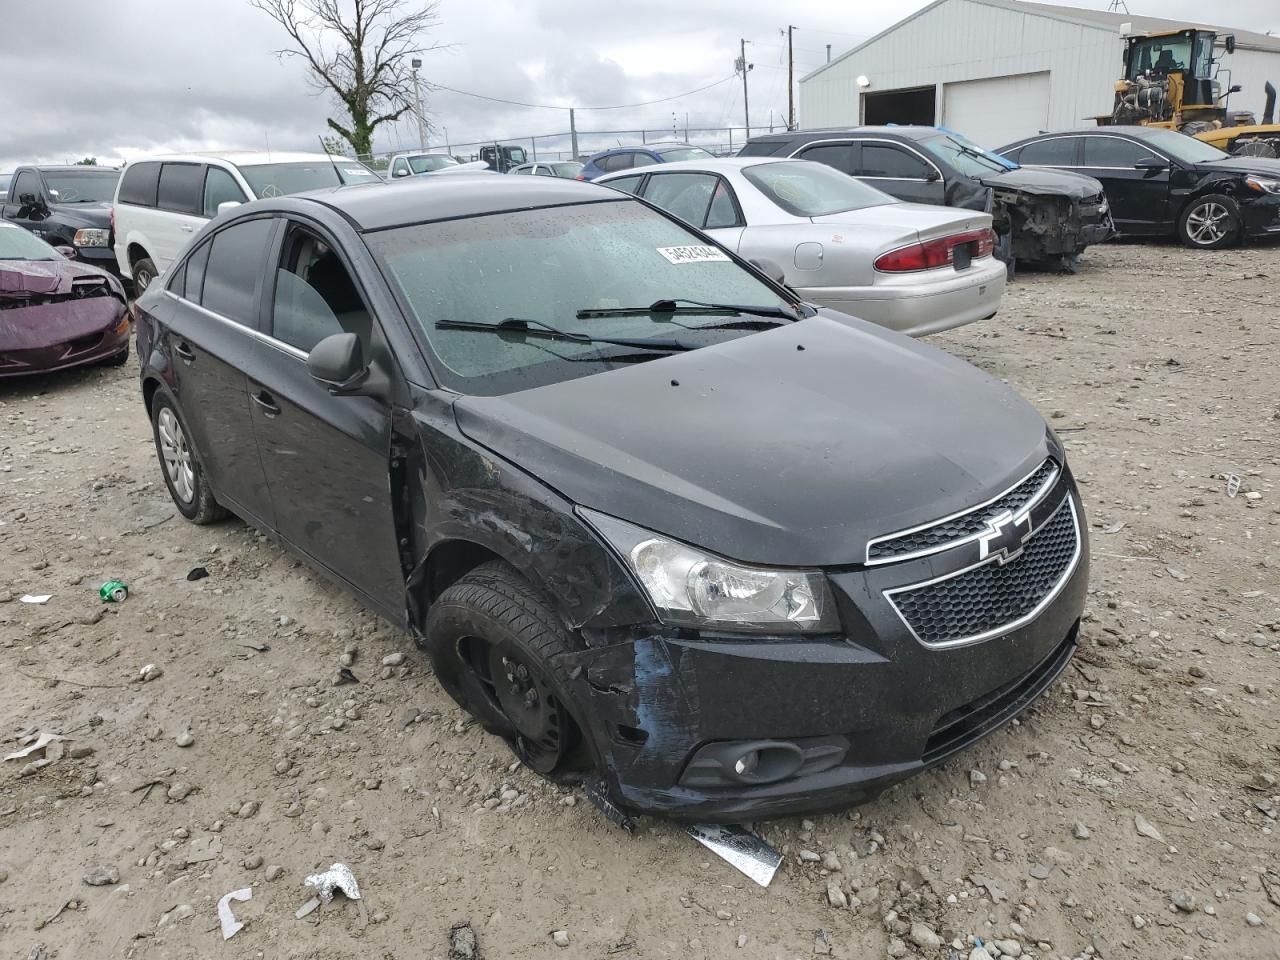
[993, 598]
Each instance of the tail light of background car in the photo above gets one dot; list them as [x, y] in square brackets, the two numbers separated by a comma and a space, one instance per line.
[937, 253]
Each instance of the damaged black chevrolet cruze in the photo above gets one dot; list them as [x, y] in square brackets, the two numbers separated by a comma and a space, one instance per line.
[655, 523]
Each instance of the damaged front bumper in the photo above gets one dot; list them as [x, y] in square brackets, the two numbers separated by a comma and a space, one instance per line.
[1052, 229]
[704, 728]
[42, 337]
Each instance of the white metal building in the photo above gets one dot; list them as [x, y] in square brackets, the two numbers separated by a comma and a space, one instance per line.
[997, 70]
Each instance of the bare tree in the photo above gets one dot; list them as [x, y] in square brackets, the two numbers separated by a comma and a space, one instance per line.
[359, 51]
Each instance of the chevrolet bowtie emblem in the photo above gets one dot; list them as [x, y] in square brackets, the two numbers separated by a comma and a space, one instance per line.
[1005, 537]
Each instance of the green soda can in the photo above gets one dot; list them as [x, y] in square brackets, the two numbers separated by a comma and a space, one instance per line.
[113, 591]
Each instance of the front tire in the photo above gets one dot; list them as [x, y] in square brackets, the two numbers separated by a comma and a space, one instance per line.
[1210, 222]
[144, 271]
[492, 638]
[180, 464]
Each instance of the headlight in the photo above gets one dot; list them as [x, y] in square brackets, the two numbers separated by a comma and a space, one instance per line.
[690, 587]
[92, 238]
[1262, 184]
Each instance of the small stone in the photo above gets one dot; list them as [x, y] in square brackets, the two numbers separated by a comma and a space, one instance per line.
[1253, 920]
[1139, 921]
[252, 862]
[372, 783]
[1197, 671]
[1262, 782]
[102, 877]
[808, 856]
[1041, 871]
[897, 949]
[1008, 948]
[1183, 900]
[1080, 831]
[183, 911]
[179, 791]
[1144, 827]
[393, 659]
[831, 862]
[836, 897]
[742, 939]
[184, 739]
[150, 672]
[274, 872]
[978, 953]
[723, 914]
[977, 778]
[4, 874]
[560, 938]
[409, 716]
[80, 752]
[924, 937]
[283, 765]
[248, 809]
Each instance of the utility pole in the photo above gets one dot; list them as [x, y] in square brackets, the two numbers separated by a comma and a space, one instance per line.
[573, 135]
[744, 67]
[791, 96]
[417, 102]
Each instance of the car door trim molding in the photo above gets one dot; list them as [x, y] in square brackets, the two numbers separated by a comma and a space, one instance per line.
[860, 140]
[258, 335]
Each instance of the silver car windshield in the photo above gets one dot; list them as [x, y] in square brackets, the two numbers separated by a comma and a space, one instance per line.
[804, 188]
[546, 265]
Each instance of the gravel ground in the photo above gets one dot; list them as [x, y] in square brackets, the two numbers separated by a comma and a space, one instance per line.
[1131, 813]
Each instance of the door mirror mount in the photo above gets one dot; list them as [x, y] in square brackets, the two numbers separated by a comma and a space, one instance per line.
[338, 363]
[933, 177]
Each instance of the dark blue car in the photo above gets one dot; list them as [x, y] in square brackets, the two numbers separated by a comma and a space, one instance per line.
[624, 158]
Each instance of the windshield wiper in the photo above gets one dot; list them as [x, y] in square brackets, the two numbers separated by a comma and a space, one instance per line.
[682, 305]
[537, 328]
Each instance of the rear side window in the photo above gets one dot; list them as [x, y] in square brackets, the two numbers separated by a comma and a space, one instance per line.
[220, 187]
[644, 160]
[139, 184]
[180, 188]
[1058, 152]
[838, 156]
[1113, 152]
[235, 262]
[884, 160]
[617, 161]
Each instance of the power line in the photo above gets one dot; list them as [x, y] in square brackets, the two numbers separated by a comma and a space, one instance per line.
[561, 106]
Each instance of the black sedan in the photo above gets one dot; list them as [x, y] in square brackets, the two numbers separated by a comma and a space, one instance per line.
[651, 519]
[1162, 183]
[1048, 217]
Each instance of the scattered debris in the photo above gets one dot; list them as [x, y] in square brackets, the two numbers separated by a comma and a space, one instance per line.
[34, 743]
[183, 911]
[337, 877]
[1233, 484]
[463, 944]
[204, 849]
[307, 908]
[197, 573]
[598, 794]
[114, 591]
[1144, 827]
[740, 848]
[230, 925]
[37, 598]
[102, 877]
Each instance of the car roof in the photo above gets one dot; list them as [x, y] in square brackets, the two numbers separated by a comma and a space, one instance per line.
[1138, 132]
[378, 206]
[73, 167]
[905, 131]
[245, 157]
[712, 164]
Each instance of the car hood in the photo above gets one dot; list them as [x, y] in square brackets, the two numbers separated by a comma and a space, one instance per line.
[767, 453]
[24, 278]
[1045, 182]
[96, 215]
[1262, 166]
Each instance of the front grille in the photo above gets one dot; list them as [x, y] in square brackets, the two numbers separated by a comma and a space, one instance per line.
[993, 598]
[965, 724]
[946, 533]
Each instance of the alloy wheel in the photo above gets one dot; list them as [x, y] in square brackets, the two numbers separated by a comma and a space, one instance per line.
[176, 453]
[1208, 223]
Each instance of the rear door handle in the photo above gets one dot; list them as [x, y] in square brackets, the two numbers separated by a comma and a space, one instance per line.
[187, 228]
[267, 403]
[184, 351]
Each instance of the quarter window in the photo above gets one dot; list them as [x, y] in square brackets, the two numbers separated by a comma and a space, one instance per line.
[315, 296]
[1113, 152]
[231, 278]
[722, 212]
[180, 188]
[196, 263]
[220, 187]
[626, 184]
[1058, 152]
[893, 163]
[139, 184]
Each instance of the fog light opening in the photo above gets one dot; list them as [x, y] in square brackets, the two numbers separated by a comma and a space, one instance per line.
[763, 762]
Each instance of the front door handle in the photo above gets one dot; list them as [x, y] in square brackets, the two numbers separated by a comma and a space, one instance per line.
[184, 351]
[267, 403]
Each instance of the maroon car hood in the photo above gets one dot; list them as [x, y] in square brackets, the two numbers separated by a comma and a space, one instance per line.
[41, 276]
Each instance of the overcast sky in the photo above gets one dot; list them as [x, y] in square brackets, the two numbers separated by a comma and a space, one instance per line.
[123, 78]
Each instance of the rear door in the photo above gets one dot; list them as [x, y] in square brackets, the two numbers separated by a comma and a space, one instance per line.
[839, 155]
[1139, 197]
[180, 205]
[899, 171]
[211, 333]
[326, 458]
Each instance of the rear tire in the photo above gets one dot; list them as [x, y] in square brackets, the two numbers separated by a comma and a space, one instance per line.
[1210, 222]
[492, 640]
[180, 464]
[144, 271]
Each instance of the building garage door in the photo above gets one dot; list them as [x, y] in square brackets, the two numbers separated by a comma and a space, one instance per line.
[997, 110]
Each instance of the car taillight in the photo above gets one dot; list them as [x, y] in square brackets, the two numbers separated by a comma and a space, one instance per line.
[936, 253]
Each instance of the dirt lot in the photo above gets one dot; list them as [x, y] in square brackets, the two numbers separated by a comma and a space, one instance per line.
[1132, 813]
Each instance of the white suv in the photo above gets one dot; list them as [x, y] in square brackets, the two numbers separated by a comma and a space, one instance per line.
[161, 201]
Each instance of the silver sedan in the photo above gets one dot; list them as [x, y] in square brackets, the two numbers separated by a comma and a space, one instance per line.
[836, 241]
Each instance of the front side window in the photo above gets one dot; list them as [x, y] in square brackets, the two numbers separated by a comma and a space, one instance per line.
[235, 262]
[806, 189]
[1058, 152]
[220, 187]
[891, 163]
[400, 168]
[542, 170]
[315, 296]
[82, 186]
[427, 162]
[546, 265]
[181, 188]
[685, 195]
[26, 184]
[1113, 152]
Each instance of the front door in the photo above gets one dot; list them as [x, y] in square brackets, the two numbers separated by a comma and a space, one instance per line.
[327, 459]
[899, 172]
[1139, 197]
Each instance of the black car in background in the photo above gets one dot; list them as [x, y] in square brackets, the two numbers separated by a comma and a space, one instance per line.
[67, 206]
[1048, 218]
[522, 417]
[1162, 183]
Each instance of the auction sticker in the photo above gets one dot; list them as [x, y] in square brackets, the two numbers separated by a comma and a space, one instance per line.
[693, 254]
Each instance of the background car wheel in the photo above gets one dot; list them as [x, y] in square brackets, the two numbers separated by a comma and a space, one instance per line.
[180, 465]
[144, 271]
[119, 360]
[491, 640]
[1210, 222]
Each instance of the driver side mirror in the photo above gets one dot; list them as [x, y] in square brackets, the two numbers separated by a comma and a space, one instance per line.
[68, 252]
[770, 270]
[1230, 43]
[933, 177]
[337, 361]
[401, 172]
[226, 205]
[27, 199]
[1151, 163]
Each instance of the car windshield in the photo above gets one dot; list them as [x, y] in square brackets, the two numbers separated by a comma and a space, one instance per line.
[676, 154]
[18, 244]
[82, 186]
[567, 169]
[279, 179]
[1181, 147]
[546, 265]
[426, 162]
[966, 156]
[804, 188]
